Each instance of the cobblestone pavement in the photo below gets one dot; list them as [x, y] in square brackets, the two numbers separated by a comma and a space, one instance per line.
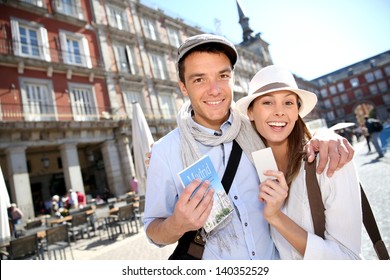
[375, 177]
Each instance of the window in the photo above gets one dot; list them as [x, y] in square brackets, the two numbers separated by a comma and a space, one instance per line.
[158, 66]
[387, 70]
[336, 101]
[330, 116]
[378, 74]
[324, 93]
[344, 98]
[150, 29]
[386, 99]
[125, 59]
[373, 89]
[358, 93]
[340, 112]
[340, 87]
[117, 18]
[167, 105]
[382, 86]
[75, 49]
[130, 97]
[369, 77]
[30, 39]
[69, 7]
[83, 102]
[332, 90]
[38, 3]
[174, 38]
[321, 82]
[327, 104]
[354, 82]
[37, 99]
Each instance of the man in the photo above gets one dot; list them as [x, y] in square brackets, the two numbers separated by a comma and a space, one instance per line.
[16, 216]
[134, 184]
[208, 124]
[374, 134]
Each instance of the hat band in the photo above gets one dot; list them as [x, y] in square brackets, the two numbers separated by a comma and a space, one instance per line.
[272, 86]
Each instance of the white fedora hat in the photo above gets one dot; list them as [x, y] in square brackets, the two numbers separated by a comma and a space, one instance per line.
[276, 78]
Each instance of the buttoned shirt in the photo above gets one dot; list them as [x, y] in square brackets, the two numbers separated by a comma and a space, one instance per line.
[251, 235]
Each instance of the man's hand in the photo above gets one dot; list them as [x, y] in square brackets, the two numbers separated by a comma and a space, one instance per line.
[148, 156]
[329, 145]
[192, 210]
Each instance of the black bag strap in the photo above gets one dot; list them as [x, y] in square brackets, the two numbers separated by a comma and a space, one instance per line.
[191, 245]
[232, 165]
[318, 212]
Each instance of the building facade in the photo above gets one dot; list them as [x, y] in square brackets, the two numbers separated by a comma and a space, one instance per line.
[355, 91]
[71, 70]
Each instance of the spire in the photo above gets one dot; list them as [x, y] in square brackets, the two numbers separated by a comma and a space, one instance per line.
[244, 22]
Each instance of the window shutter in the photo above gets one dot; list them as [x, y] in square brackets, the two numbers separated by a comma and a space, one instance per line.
[15, 37]
[87, 55]
[64, 49]
[45, 44]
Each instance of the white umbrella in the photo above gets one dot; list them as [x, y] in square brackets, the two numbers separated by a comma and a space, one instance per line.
[342, 125]
[4, 204]
[142, 140]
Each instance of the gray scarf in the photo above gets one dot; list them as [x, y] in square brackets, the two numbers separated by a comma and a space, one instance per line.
[190, 134]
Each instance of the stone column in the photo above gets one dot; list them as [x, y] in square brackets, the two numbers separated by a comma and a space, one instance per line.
[20, 180]
[112, 166]
[71, 167]
[126, 159]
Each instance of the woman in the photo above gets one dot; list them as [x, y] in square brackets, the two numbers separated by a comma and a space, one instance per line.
[276, 106]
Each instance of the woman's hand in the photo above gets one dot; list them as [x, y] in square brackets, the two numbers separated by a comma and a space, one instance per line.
[274, 193]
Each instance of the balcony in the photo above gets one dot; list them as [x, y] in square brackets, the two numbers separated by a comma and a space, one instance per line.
[34, 111]
[12, 51]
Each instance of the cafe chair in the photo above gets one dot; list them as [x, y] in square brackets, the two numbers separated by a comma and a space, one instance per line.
[125, 217]
[24, 248]
[57, 240]
[99, 220]
[79, 225]
[139, 211]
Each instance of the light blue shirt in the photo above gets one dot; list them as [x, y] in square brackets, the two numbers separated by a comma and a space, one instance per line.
[253, 240]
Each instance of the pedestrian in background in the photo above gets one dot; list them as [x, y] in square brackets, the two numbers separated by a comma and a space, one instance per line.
[16, 216]
[373, 127]
[81, 199]
[134, 184]
[366, 136]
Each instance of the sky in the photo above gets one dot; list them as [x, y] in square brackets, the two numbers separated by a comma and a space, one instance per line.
[310, 37]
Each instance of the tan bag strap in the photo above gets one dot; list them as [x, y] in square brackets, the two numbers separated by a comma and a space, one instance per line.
[318, 212]
[315, 199]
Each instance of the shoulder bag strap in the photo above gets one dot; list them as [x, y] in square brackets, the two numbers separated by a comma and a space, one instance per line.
[372, 228]
[315, 200]
[318, 215]
[231, 168]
